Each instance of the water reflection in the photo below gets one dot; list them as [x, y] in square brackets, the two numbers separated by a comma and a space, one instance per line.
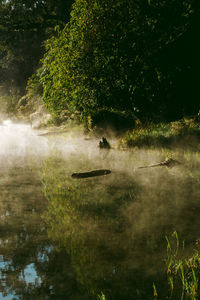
[62, 238]
[114, 227]
[30, 266]
[21, 202]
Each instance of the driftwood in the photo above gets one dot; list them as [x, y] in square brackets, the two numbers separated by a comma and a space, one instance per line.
[91, 173]
[169, 163]
[50, 133]
[104, 144]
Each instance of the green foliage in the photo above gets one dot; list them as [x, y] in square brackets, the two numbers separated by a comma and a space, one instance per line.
[32, 100]
[24, 25]
[155, 294]
[183, 273]
[8, 104]
[164, 134]
[101, 297]
[34, 87]
[111, 56]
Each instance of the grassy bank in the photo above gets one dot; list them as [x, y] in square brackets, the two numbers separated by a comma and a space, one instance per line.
[182, 133]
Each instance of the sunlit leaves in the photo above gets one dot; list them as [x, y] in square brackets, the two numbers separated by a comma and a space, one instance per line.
[111, 56]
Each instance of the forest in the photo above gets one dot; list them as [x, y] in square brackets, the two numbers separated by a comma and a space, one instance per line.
[103, 60]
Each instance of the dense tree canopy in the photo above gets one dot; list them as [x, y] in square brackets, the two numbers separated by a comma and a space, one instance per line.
[24, 25]
[134, 56]
[138, 58]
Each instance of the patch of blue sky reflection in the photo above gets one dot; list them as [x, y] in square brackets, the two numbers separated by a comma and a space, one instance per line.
[30, 275]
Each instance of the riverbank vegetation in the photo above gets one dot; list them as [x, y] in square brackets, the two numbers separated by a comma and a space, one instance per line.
[103, 61]
[183, 270]
[184, 133]
[123, 57]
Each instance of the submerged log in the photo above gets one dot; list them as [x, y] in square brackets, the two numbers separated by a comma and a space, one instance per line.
[169, 163]
[91, 173]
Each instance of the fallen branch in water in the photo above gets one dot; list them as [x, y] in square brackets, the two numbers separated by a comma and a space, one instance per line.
[91, 174]
[169, 163]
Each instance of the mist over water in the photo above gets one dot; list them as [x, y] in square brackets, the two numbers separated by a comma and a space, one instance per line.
[18, 141]
[110, 231]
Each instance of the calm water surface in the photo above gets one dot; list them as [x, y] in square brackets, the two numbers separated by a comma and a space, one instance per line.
[62, 238]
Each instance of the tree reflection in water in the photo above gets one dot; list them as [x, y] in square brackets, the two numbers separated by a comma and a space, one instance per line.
[113, 227]
[88, 219]
[30, 266]
[104, 234]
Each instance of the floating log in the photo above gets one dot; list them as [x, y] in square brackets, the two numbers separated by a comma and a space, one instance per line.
[169, 163]
[91, 174]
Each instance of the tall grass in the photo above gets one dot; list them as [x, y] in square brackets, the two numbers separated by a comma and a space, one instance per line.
[101, 297]
[183, 272]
